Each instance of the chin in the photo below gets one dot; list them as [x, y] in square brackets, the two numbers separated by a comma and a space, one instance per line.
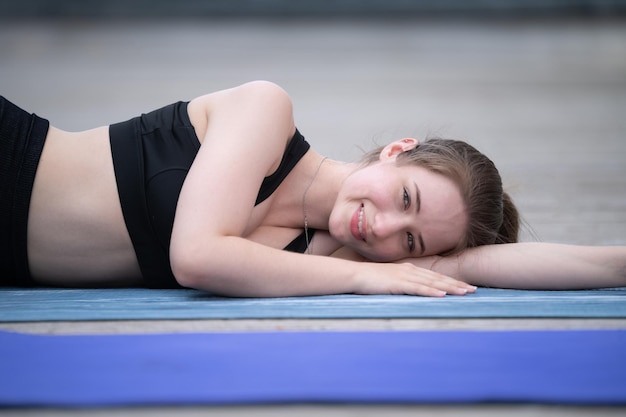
[373, 257]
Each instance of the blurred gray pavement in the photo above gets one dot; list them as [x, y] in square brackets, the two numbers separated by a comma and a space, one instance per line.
[546, 99]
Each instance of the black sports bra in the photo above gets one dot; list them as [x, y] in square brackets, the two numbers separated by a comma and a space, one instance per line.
[167, 158]
[152, 155]
[296, 149]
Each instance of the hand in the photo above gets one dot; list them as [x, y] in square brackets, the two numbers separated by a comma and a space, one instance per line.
[406, 279]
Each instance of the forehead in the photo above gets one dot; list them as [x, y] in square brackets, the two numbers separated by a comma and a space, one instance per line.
[430, 178]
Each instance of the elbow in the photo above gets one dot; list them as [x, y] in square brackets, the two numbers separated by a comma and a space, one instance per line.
[183, 273]
[192, 268]
[186, 269]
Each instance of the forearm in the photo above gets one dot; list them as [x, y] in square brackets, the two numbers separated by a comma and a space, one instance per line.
[236, 267]
[240, 268]
[538, 266]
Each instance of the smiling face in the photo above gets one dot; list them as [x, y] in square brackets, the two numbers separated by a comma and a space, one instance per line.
[387, 212]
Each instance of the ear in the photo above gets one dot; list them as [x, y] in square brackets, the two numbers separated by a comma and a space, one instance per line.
[391, 151]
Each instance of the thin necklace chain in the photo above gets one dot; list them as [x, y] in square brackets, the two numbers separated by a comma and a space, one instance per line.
[306, 221]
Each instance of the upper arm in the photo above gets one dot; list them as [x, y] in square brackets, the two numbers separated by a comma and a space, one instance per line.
[248, 128]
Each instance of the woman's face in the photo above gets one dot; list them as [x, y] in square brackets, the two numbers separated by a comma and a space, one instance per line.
[387, 212]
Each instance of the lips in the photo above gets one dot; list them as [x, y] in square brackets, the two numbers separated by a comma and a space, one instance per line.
[358, 224]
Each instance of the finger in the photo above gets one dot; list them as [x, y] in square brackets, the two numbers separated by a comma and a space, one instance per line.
[426, 291]
[452, 285]
[446, 284]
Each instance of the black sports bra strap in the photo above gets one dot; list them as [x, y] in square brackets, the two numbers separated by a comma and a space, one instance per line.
[300, 244]
[296, 148]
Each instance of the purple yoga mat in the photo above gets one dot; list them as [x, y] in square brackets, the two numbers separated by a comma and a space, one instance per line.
[568, 367]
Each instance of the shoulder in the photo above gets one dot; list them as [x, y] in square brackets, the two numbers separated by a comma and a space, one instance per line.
[266, 88]
[253, 97]
[265, 91]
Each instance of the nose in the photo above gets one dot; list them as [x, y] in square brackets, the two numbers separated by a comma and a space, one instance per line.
[387, 224]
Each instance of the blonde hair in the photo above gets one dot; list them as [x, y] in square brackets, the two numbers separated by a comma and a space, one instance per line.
[492, 215]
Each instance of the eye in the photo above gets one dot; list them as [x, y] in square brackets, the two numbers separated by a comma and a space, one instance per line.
[411, 241]
[406, 198]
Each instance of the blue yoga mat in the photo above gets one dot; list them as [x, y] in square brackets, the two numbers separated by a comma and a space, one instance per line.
[128, 304]
[565, 367]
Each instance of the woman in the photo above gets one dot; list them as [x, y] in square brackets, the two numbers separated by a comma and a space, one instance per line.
[205, 195]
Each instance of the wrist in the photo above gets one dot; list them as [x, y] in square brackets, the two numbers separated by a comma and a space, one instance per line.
[356, 280]
[447, 265]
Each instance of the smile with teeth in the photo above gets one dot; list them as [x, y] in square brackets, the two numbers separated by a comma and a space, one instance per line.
[360, 223]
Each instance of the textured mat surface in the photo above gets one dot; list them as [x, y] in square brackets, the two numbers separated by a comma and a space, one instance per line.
[128, 304]
[567, 367]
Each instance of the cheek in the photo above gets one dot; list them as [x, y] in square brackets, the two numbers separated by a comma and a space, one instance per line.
[333, 225]
[339, 221]
[367, 179]
[445, 239]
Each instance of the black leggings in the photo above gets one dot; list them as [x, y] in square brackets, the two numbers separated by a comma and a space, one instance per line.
[22, 136]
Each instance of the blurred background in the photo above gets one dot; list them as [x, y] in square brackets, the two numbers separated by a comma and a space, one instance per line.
[539, 86]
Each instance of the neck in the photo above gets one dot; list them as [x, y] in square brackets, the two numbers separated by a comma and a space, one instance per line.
[323, 192]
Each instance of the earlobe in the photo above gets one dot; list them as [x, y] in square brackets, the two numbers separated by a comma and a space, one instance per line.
[395, 148]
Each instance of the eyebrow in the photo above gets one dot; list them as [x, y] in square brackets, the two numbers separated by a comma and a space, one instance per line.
[418, 198]
[418, 205]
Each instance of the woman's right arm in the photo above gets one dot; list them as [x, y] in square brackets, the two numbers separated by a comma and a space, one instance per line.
[247, 133]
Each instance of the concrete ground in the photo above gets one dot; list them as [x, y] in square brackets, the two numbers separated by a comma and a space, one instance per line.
[545, 99]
